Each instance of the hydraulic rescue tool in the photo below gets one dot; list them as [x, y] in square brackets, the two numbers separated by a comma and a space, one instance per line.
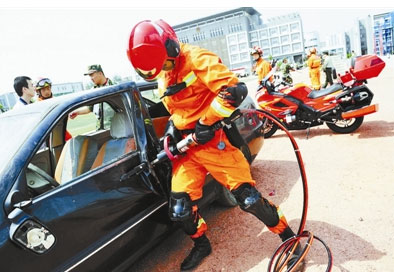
[172, 151]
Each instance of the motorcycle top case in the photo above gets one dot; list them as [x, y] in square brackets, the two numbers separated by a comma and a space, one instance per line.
[367, 66]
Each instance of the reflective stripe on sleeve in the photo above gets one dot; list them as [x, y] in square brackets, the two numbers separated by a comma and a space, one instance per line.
[190, 78]
[220, 109]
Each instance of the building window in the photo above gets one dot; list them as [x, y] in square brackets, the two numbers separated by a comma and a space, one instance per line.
[253, 44]
[286, 49]
[235, 28]
[232, 39]
[243, 47]
[295, 37]
[274, 41]
[285, 39]
[265, 43]
[297, 47]
[263, 34]
[294, 27]
[245, 56]
[242, 37]
[199, 36]
[184, 39]
[275, 51]
[254, 36]
[284, 29]
[273, 31]
[233, 48]
[235, 58]
[266, 52]
[216, 32]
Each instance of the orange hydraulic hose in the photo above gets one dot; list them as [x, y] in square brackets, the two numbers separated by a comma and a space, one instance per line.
[285, 250]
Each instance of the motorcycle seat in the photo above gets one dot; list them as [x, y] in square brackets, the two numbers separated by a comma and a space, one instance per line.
[326, 91]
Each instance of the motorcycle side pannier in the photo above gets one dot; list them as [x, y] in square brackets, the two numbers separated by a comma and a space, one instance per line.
[367, 66]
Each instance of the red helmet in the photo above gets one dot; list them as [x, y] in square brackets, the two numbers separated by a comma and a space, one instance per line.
[150, 45]
[256, 50]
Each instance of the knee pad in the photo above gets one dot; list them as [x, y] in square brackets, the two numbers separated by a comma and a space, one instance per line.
[251, 201]
[180, 206]
[182, 210]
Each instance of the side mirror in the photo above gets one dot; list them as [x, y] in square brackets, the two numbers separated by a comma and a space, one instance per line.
[28, 233]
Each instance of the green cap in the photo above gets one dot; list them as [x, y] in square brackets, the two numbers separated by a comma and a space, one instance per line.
[93, 68]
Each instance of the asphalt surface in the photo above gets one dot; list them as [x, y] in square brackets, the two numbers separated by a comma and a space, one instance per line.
[351, 198]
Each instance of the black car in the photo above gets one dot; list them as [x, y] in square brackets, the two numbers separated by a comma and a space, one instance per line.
[92, 201]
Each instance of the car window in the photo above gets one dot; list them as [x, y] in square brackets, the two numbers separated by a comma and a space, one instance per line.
[99, 137]
[90, 119]
[152, 95]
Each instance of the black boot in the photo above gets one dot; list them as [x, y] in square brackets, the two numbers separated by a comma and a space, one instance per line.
[201, 249]
[286, 234]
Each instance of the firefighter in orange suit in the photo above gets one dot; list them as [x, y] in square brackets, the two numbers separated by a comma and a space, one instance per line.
[198, 90]
[262, 66]
[314, 63]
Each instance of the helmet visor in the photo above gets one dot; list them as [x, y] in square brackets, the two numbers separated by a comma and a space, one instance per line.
[43, 83]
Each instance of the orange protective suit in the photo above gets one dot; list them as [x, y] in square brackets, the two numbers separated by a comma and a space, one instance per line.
[263, 67]
[314, 63]
[205, 76]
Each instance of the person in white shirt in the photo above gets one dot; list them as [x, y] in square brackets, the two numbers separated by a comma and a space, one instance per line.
[328, 69]
[25, 89]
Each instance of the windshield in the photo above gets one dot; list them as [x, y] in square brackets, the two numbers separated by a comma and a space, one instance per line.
[14, 129]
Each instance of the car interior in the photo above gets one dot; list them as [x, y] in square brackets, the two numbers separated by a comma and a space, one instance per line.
[98, 138]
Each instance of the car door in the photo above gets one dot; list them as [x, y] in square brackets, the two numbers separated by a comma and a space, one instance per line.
[97, 220]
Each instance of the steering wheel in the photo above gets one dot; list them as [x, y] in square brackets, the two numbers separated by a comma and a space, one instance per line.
[42, 174]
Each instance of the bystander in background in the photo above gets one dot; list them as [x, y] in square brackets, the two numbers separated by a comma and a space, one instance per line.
[24, 88]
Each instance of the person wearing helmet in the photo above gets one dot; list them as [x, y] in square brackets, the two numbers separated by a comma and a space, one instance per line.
[314, 63]
[198, 90]
[262, 67]
[43, 89]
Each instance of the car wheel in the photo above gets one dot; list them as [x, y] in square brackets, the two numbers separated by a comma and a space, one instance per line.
[226, 198]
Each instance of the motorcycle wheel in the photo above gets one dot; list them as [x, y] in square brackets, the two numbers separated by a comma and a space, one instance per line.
[270, 129]
[346, 126]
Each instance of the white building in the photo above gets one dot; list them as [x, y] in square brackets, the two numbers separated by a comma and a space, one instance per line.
[311, 40]
[335, 44]
[66, 88]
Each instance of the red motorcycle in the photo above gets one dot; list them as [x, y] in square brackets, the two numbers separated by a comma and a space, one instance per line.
[341, 106]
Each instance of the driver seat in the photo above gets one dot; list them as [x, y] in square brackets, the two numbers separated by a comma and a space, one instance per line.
[76, 158]
[122, 141]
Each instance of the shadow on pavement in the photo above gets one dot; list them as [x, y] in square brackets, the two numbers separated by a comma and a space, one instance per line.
[369, 129]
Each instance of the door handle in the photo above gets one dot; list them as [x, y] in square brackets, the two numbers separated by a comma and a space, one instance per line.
[135, 171]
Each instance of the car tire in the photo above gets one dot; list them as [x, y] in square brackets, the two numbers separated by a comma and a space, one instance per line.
[226, 198]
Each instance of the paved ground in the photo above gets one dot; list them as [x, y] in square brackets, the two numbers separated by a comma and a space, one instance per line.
[351, 188]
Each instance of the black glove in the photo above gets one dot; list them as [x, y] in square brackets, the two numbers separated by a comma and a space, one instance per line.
[173, 132]
[234, 95]
[203, 134]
